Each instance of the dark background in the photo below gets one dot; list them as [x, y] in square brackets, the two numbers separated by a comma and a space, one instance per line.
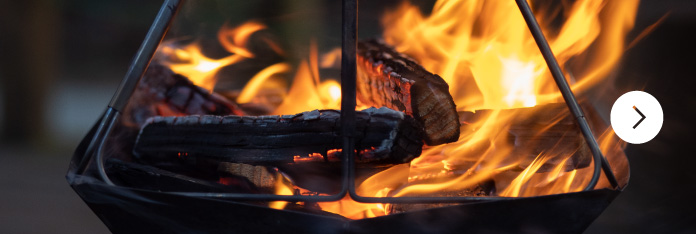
[60, 62]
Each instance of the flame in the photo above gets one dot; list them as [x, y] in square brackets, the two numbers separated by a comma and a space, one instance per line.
[485, 44]
[234, 40]
[256, 83]
[484, 50]
[307, 92]
[190, 61]
[281, 188]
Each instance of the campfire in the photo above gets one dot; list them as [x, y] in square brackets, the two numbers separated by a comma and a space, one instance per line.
[455, 103]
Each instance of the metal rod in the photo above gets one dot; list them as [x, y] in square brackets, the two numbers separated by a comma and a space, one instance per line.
[348, 88]
[143, 56]
[99, 134]
[109, 119]
[349, 43]
[120, 99]
[569, 97]
[137, 67]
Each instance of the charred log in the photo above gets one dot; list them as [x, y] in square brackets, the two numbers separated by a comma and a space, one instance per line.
[146, 177]
[391, 79]
[161, 92]
[384, 137]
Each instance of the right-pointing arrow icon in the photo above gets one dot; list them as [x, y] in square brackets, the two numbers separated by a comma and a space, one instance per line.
[641, 115]
[622, 117]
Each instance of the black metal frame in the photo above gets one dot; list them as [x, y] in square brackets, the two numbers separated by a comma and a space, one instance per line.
[348, 87]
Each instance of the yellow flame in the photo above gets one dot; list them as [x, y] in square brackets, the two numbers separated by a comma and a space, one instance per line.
[281, 188]
[255, 83]
[484, 51]
[198, 68]
[486, 54]
[472, 44]
[190, 61]
[307, 92]
[235, 40]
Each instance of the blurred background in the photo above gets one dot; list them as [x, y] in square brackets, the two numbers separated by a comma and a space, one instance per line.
[62, 60]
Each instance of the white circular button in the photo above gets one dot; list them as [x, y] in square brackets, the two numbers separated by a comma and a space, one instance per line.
[636, 117]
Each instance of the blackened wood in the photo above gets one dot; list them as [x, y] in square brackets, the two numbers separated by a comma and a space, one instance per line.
[391, 79]
[545, 129]
[147, 177]
[384, 136]
[161, 92]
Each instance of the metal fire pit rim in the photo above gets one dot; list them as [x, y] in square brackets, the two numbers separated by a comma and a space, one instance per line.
[130, 210]
[81, 180]
[78, 182]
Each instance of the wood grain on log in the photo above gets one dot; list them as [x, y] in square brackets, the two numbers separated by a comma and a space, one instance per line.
[391, 79]
[260, 176]
[384, 136]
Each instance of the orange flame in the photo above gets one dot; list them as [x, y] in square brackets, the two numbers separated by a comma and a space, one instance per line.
[307, 92]
[484, 51]
[486, 54]
[281, 188]
[189, 61]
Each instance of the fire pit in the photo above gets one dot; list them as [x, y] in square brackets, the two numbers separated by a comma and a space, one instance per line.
[415, 138]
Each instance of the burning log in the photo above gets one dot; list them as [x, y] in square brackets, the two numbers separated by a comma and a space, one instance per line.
[384, 137]
[545, 129]
[260, 176]
[391, 79]
[150, 178]
[161, 92]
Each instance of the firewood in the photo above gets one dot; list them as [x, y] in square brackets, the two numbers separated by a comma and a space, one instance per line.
[146, 177]
[545, 129]
[140, 176]
[161, 92]
[384, 137]
[260, 176]
[391, 79]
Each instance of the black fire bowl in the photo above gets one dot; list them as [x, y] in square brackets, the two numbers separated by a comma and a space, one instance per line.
[126, 210]
[129, 210]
